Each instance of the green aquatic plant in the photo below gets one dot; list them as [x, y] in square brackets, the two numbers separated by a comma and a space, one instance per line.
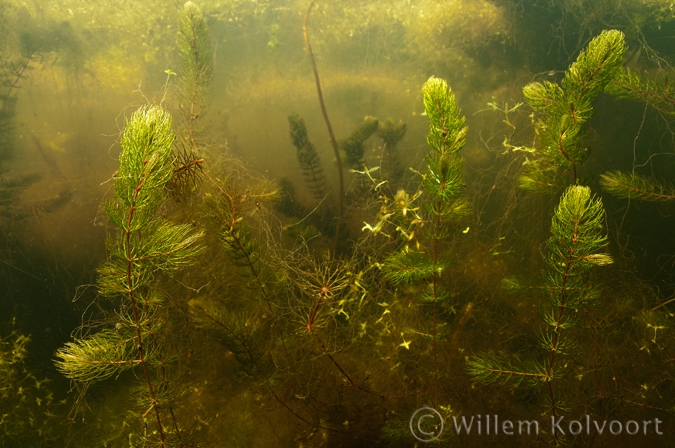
[636, 186]
[354, 145]
[235, 199]
[326, 284]
[391, 134]
[573, 250]
[196, 74]
[27, 405]
[333, 142]
[561, 112]
[653, 91]
[143, 246]
[288, 203]
[195, 80]
[292, 307]
[308, 158]
[656, 93]
[442, 189]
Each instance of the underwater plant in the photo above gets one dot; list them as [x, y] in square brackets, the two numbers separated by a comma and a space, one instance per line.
[441, 185]
[196, 74]
[322, 215]
[334, 144]
[354, 145]
[561, 112]
[636, 186]
[573, 250]
[144, 246]
[195, 79]
[657, 94]
[654, 91]
[27, 404]
[308, 158]
[391, 134]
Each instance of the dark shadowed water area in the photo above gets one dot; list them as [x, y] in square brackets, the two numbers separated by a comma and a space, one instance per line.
[479, 252]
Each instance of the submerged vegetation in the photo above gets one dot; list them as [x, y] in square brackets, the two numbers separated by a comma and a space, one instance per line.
[251, 272]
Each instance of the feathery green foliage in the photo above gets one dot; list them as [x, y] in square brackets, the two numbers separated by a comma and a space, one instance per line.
[573, 250]
[354, 145]
[635, 186]
[655, 92]
[408, 266]
[236, 199]
[447, 133]
[442, 178]
[594, 68]
[562, 110]
[144, 245]
[195, 79]
[196, 75]
[98, 357]
[29, 413]
[309, 160]
[442, 188]
[391, 133]
[241, 335]
[501, 369]
[547, 180]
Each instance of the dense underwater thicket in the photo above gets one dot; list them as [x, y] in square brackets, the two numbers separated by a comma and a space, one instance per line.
[246, 223]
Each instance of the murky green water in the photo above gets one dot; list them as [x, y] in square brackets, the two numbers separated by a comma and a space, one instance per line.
[188, 257]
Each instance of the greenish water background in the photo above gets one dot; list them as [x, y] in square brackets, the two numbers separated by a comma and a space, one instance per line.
[109, 57]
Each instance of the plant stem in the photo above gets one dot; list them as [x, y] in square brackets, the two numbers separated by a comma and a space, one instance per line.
[333, 142]
[130, 285]
[561, 311]
[254, 359]
[434, 281]
[562, 151]
[193, 94]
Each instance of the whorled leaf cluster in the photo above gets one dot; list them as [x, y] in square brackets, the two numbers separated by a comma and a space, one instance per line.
[143, 246]
[561, 112]
[573, 249]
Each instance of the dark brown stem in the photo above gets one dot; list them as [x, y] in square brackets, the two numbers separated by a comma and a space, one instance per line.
[333, 142]
[187, 166]
[193, 94]
[325, 350]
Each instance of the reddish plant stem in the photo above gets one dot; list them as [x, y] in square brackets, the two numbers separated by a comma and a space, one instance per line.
[130, 286]
[562, 151]
[316, 310]
[256, 274]
[434, 279]
[561, 311]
